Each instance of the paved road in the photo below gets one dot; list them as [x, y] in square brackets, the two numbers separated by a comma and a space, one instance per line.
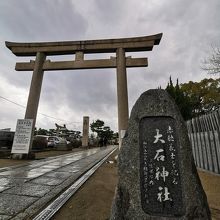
[25, 189]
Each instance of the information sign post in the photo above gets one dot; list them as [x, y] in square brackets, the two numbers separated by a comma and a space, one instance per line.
[22, 136]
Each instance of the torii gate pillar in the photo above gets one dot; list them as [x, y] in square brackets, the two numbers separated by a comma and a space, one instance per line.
[35, 88]
[33, 98]
[122, 93]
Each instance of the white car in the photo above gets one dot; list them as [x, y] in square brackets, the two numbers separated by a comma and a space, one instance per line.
[54, 140]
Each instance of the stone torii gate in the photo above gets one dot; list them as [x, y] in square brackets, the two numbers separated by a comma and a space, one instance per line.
[79, 48]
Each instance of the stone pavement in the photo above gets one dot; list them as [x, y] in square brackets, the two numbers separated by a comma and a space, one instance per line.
[25, 189]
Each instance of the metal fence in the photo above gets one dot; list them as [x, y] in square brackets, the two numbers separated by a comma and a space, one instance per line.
[204, 134]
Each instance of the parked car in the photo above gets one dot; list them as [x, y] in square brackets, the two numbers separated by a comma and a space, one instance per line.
[45, 141]
[6, 139]
[54, 140]
[40, 142]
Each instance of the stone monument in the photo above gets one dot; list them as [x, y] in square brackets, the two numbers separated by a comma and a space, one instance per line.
[85, 137]
[157, 175]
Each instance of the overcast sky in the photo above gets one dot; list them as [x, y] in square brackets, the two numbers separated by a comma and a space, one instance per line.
[189, 28]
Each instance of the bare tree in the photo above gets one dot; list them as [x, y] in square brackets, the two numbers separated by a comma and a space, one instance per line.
[212, 63]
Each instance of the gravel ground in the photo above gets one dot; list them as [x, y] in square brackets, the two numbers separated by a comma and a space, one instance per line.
[211, 185]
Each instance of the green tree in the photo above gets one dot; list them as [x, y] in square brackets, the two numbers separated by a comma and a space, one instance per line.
[103, 132]
[205, 95]
[42, 131]
[107, 133]
[170, 88]
[181, 99]
[97, 127]
[196, 98]
[52, 131]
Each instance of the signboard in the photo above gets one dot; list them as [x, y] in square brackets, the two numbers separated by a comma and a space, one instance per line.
[22, 136]
[160, 180]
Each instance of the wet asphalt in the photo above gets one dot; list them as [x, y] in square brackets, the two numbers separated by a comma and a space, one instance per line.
[26, 189]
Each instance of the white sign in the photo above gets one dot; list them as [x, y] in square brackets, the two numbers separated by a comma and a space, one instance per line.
[22, 136]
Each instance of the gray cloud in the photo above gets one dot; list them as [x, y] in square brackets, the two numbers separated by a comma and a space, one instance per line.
[189, 28]
[41, 20]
